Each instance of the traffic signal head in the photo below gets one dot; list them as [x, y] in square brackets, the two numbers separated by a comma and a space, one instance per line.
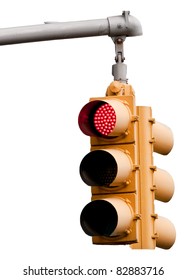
[155, 183]
[110, 168]
[164, 185]
[119, 168]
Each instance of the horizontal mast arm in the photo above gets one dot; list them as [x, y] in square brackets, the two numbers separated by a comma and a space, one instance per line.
[123, 25]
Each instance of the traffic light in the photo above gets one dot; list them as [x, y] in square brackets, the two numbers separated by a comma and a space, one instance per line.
[111, 168]
[119, 168]
[155, 183]
[165, 233]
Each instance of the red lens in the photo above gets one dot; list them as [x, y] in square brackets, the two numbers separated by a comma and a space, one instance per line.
[104, 119]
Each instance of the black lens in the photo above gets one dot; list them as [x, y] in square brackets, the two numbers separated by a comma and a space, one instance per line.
[99, 218]
[98, 168]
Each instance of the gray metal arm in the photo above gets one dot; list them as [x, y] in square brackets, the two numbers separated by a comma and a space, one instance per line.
[123, 25]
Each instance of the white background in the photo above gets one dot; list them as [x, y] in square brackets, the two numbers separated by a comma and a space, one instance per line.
[43, 86]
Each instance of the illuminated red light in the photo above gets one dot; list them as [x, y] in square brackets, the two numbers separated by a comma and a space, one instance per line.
[104, 119]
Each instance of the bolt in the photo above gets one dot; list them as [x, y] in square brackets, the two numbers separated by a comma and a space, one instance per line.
[119, 40]
[115, 86]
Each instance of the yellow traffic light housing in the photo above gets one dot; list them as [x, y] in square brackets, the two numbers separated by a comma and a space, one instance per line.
[163, 141]
[119, 168]
[154, 183]
[111, 168]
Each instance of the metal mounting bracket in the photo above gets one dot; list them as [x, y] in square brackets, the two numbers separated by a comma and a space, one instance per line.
[119, 70]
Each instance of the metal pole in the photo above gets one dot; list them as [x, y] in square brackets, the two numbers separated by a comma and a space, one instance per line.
[123, 25]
